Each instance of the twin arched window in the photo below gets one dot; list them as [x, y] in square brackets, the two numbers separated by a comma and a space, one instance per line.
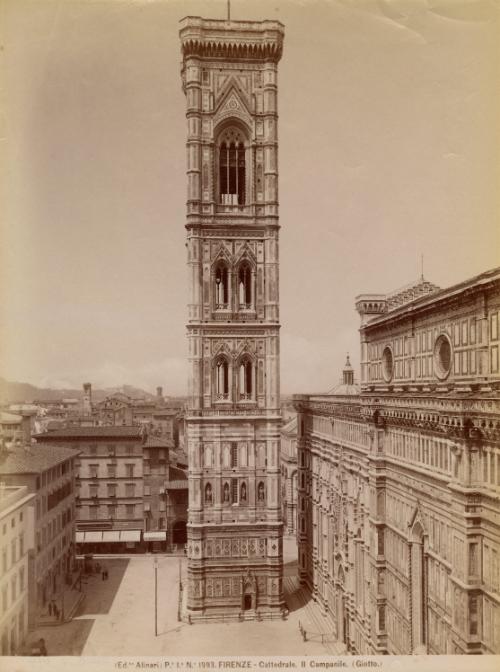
[244, 288]
[245, 389]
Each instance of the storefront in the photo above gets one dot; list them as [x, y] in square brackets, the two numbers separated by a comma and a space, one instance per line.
[108, 541]
[155, 541]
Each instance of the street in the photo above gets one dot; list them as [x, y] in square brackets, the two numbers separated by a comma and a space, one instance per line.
[117, 618]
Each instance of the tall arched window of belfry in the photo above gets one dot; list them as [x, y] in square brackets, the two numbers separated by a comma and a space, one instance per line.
[232, 167]
[221, 286]
[245, 286]
[246, 378]
[222, 378]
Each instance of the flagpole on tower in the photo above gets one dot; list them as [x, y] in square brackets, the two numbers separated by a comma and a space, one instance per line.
[229, 10]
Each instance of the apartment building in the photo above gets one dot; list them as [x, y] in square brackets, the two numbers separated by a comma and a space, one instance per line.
[165, 496]
[48, 473]
[16, 545]
[109, 492]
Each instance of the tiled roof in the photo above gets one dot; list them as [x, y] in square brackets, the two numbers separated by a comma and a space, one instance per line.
[10, 418]
[158, 442]
[345, 389]
[436, 295]
[54, 424]
[33, 459]
[410, 292]
[111, 431]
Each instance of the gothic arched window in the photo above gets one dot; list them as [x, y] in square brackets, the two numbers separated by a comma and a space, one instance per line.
[245, 286]
[232, 172]
[221, 286]
[245, 382]
[222, 378]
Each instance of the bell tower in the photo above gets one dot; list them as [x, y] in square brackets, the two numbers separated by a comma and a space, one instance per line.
[235, 556]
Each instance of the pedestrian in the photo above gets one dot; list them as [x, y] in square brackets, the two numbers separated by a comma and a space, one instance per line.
[50, 608]
[41, 647]
[107, 574]
[103, 574]
[56, 611]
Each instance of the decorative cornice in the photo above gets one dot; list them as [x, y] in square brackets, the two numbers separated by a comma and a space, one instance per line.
[457, 419]
[231, 40]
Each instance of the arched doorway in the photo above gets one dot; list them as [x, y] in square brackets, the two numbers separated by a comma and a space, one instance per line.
[179, 532]
[249, 592]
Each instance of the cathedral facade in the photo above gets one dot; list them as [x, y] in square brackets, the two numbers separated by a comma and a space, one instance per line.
[229, 77]
[399, 485]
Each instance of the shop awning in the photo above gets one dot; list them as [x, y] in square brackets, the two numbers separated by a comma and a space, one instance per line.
[79, 537]
[93, 537]
[160, 535]
[130, 535]
[111, 535]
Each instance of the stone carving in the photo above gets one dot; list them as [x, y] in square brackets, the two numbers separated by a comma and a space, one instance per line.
[261, 492]
[232, 103]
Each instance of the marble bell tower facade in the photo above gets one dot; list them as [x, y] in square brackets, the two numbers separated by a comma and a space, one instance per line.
[235, 554]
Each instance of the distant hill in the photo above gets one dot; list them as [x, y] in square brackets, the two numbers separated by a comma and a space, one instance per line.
[14, 392]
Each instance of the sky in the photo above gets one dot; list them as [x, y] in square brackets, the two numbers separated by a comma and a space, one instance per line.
[389, 149]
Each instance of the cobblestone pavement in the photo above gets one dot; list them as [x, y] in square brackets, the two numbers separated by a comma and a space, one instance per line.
[117, 618]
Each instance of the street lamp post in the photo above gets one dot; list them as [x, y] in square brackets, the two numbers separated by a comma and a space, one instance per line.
[156, 595]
